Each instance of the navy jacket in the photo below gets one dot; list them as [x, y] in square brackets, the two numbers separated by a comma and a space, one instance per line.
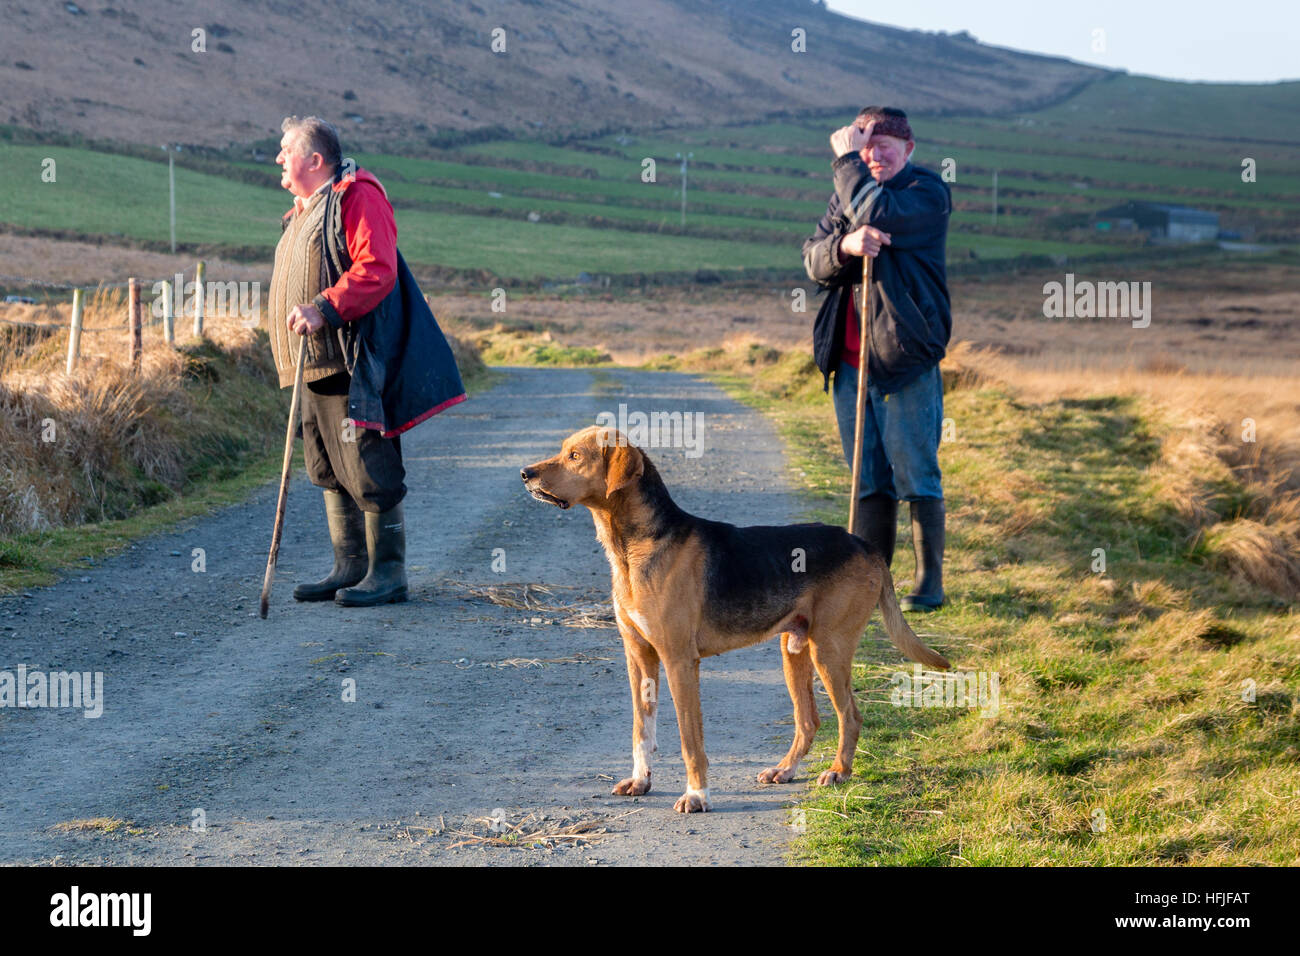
[403, 371]
[911, 316]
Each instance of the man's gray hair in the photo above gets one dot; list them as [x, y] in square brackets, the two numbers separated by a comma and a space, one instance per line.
[315, 136]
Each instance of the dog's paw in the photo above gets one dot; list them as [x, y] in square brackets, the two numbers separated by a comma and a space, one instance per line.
[829, 778]
[693, 801]
[776, 775]
[632, 787]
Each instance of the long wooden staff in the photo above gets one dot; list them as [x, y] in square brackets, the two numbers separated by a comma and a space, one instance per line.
[864, 323]
[284, 480]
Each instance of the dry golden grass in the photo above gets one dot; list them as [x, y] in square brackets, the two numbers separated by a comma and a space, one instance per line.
[1229, 465]
[97, 442]
[588, 610]
[107, 442]
[96, 824]
[1262, 555]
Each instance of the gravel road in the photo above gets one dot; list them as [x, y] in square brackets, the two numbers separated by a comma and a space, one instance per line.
[212, 715]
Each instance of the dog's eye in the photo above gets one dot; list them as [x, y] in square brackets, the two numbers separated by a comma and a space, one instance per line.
[575, 456]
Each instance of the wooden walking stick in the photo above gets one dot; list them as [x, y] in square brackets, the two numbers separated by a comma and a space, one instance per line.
[864, 323]
[284, 480]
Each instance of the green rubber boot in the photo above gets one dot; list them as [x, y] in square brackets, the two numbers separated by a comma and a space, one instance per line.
[927, 539]
[348, 535]
[386, 581]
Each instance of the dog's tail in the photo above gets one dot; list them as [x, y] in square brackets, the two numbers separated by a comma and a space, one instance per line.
[899, 631]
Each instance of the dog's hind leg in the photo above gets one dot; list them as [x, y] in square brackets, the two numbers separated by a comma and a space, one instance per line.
[643, 675]
[834, 662]
[799, 680]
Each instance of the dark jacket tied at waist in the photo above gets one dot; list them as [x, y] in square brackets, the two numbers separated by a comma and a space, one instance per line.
[402, 368]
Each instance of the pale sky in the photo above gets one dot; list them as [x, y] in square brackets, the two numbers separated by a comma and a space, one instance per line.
[1254, 41]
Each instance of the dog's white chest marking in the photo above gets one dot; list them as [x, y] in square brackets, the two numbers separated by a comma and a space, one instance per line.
[641, 625]
[634, 619]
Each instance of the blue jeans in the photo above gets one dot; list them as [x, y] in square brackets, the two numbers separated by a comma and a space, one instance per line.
[900, 434]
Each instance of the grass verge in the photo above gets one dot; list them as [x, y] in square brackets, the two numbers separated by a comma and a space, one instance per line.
[1147, 706]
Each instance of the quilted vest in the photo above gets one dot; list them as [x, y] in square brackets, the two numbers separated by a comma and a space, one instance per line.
[301, 272]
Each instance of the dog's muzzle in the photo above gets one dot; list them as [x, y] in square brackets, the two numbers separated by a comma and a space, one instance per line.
[530, 478]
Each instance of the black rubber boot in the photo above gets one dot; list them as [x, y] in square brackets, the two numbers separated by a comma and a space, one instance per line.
[927, 539]
[348, 535]
[877, 523]
[386, 581]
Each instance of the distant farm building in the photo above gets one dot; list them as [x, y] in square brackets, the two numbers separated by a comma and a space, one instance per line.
[1175, 223]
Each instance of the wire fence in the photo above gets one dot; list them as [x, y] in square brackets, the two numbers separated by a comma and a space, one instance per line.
[176, 307]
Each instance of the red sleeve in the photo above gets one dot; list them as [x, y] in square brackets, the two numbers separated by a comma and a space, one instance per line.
[372, 244]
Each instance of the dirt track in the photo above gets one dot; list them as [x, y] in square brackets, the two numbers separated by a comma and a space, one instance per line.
[208, 707]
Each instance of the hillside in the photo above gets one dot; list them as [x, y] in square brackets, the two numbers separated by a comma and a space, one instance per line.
[401, 74]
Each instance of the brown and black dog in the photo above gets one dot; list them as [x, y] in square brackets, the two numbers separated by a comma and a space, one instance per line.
[686, 588]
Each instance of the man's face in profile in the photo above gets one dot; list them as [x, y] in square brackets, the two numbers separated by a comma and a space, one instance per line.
[300, 171]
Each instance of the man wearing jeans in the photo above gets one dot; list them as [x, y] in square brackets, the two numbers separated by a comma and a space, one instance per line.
[897, 213]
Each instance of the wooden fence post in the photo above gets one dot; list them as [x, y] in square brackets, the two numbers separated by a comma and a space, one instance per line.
[133, 316]
[169, 320]
[74, 334]
[200, 300]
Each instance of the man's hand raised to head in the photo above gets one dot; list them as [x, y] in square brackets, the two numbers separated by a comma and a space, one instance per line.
[304, 319]
[865, 241]
[852, 138]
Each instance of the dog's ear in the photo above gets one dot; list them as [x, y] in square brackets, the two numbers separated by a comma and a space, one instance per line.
[624, 464]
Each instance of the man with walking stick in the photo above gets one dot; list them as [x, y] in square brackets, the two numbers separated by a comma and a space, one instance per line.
[895, 214]
[374, 364]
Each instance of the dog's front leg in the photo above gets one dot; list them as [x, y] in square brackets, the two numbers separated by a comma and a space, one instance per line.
[684, 682]
[643, 676]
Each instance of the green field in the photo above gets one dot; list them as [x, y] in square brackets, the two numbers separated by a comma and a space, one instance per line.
[106, 195]
[531, 211]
